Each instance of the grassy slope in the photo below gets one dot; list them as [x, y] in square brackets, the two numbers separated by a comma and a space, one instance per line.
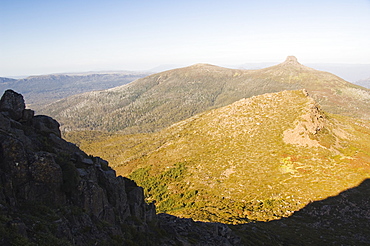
[159, 100]
[233, 165]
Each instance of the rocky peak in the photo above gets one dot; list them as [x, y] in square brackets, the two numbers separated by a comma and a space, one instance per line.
[291, 63]
[292, 60]
[12, 103]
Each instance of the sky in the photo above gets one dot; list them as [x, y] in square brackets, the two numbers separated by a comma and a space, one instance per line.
[54, 36]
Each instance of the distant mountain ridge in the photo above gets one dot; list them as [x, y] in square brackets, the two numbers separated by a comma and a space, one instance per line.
[6, 80]
[159, 100]
[364, 82]
[349, 72]
[44, 89]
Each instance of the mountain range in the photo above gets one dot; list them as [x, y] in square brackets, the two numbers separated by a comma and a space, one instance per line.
[44, 89]
[185, 134]
[159, 100]
[4, 80]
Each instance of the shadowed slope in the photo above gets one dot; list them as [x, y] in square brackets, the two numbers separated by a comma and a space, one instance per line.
[338, 220]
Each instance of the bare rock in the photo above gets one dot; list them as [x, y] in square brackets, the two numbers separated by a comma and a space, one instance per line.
[13, 104]
[27, 115]
[46, 179]
[136, 200]
[13, 159]
[4, 123]
[291, 60]
[46, 124]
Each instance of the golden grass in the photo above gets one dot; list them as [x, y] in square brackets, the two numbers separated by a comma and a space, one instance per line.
[235, 162]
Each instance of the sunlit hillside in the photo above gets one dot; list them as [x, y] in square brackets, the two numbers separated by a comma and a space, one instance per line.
[257, 159]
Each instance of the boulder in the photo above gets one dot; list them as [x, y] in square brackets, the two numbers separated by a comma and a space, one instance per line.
[46, 124]
[12, 103]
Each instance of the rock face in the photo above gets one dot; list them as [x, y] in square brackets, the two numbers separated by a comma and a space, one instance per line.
[38, 168]
[51, 192]
[311, 122]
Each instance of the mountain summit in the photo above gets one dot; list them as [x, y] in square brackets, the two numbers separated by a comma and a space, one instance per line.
[291, 67]
[291, 60]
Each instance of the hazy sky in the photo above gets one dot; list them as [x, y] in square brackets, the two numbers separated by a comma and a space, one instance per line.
[50, 36]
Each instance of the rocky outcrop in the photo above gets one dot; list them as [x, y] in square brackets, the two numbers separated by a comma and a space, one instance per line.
[52, 193]
[38, 169]
[46, 124]
[309, 124]
[291, 60]
[12, 104]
